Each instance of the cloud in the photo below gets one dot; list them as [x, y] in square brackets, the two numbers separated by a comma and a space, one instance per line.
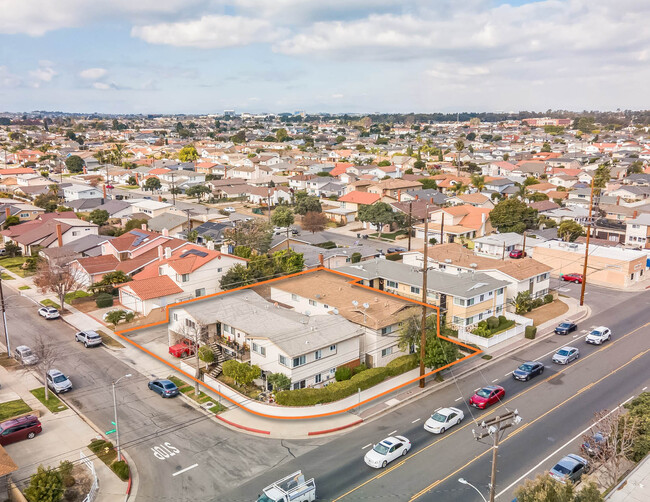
[103, 86]
[44, 73]
[337, 96]
[8, 79]
[209, 32]
[93, 73]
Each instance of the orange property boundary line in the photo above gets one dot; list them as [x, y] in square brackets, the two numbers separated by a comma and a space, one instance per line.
[355, 281]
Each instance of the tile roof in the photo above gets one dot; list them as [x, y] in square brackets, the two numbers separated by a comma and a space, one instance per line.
[99, 264]
[360, 197]
[153, 287]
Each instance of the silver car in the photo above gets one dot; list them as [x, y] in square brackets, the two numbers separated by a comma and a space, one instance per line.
[25, 356]
[57, 381]
[565, 355]
[49, 312]
[89, 338]
[570, 468]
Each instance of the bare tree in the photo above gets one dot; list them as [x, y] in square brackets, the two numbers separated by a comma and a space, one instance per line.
[611, 441]
[59, 277]
[197, 332]
[48, 353]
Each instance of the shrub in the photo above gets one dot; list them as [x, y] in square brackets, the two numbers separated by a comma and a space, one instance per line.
[394, 257]
[503, 319]
[402, 364]
[65, 467]
[482, 324]
[343, 373]
[536, 303]
[483, 331]
[121, 468]
[370, 377]
[326, 245]
[531, 331]
[104, 300]
[433, 241]
[355, 258]
[359, 369]
[206, 354]
[548, 298]
[493, 322]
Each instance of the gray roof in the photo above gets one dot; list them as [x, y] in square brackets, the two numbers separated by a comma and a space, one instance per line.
[112, 206]
[463, 285]
[509, 238]
[89, 245]
[429, 193]
[292, 332]
[165, 220]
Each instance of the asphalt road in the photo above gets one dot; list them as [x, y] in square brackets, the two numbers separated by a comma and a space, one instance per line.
[147, 422]
[554, 406]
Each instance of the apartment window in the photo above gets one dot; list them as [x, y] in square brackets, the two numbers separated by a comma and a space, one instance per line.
[185, 277]
[386, 330]
[332, 348]
[482, 298]
[24, 215]
[470, 302]
[318, 354]
[75, 233]
[299, 361]
[459, 301]
[387, 351]
[175, 316]
[312, 303]
[326, 306]
[391, 284]
[500, 291]
[458, 320]
[258, 349]
[294, 297]
[332, 371]
[318, 378]
[189, 323]
[220, 269]
[415, 291]
[199, 292]
[299, 385]
[226, 329]
[283, 361]
[441, 266]
[470, 320]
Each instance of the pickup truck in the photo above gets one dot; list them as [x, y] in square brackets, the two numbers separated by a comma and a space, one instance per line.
[185, 347]
[292, 488]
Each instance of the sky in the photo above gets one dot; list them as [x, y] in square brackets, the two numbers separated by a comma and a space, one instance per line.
[354, 56]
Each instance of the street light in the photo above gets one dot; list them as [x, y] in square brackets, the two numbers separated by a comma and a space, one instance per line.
[117, 429]
[463, 481]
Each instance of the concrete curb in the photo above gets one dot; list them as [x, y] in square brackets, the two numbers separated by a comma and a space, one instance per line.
[243, 427]
[335, 429]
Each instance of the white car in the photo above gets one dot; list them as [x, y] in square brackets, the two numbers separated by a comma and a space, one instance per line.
[49, 312]
[89, 338]
[25, 355]
[386, 451]
[443, 419]
[599, 335]
[565, 355]
[229, 209]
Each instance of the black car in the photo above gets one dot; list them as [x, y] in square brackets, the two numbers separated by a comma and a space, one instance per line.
[565, 328]
[528, 370]
[166, 388]
[395, 250]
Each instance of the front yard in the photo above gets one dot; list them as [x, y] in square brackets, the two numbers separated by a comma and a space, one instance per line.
[15, 265]
[188, 390]
[547, 312]
[53, 403]
[13, 408]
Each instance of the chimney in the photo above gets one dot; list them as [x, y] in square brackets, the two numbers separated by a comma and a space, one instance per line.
[104, 190]
[168, 253]
[635, 214]
[618, 200]
[431, 200]
[143, 226]
[399, 196]
[160, 198]
[85, 170]
[160, 252]
[321, 259]
[210, 245]
[59, 234]
[224, 249]
[417, 197]
[165, 232]
[7, 212]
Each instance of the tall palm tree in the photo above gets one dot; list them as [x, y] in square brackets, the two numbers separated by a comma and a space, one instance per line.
[459, 148]
[478, 181]
[459, 188]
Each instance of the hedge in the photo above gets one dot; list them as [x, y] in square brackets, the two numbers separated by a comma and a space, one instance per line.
[121, 468]
[402, 364]
[531, 331]
[343, 373]
[104, 300]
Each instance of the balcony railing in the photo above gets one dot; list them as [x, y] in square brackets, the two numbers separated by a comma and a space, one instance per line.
[233, 350]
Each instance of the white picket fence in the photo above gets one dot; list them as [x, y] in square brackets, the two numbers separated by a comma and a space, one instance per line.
[94, 488]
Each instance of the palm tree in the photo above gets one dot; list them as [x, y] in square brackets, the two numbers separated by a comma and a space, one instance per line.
[523, 191]
[478, 181]
[459, 188]
[459, 148]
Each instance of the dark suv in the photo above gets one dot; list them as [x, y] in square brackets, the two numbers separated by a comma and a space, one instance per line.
[19, 429]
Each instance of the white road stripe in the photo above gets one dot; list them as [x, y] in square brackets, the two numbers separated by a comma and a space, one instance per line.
[495, 380]
[367, 446]
[416, 420]
[185, 470]
[508, 374]
[560, 448]
[458, 399]
[644, 388]
[391, 433]
[477, 389]
[576, 336]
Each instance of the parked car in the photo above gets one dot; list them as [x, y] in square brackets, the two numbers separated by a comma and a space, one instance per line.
[565, 328]
[487, 396]
[280, 230]
[89, 338]
[3, 251]
[576, 278]
[185, 347]
[57, 381]
[593, 444]
[442, 419]
[24, 355]
[516, 253]
[599, 335]
[395, 250]
[19, 428]
[570, 468]
[166, 388]
[387, 450]
[49, 312]
[528, 370]
[110, 187]
[565, 355]
[229, 209]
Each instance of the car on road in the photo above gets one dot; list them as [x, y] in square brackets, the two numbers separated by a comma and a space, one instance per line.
[49, 313]
[19, 428]
[599, 335]
[185, 347]
[25, 356]
[89, 338]
[57, 381]
[594, 444]
[570, 468]
[386, 451]
[565, 328]
[110, 187]
[576, 278]
[229, 209]
[280, 230]
[487, 396]
[516, 253]
[528, 370]
[565, 355]
[442, 419]
[166, 388]
[395, 250]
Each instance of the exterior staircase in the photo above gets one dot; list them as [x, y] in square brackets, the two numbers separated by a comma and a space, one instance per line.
[219, 359]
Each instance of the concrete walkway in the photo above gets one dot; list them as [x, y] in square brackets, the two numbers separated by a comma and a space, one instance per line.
[635, 487]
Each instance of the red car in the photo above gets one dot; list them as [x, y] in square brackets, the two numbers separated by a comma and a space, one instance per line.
[487, 396]
[517, 253]
[18, 429]
[185, 347]
[576, 278]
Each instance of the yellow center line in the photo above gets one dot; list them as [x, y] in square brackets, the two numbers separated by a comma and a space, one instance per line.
[518, 430]
[502, 404]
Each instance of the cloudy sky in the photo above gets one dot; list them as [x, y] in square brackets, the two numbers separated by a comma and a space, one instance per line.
[204, 56]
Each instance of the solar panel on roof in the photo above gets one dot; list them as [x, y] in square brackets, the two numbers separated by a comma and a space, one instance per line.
[141, 237]
[195, 252]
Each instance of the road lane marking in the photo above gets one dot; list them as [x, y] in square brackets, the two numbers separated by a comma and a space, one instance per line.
[416, 420]
[391, 433]
[644, 388]
[477, 389]
[185, 470]
[495, 380]
[367, 446]
[561, 448]
[502, 404]
[526, 425]
[508, 374]
[576, 336]
[456, 400]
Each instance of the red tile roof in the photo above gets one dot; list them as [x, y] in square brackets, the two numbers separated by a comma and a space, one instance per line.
[360, 197]
[154, 287]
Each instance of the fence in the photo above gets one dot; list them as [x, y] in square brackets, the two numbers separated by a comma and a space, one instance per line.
[94, 488]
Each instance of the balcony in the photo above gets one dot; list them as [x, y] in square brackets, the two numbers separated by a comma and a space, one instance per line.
[233, 350]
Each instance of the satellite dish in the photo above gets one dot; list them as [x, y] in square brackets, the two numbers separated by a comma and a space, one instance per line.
[366, 305]
[336, 311]
[307, 312]
[355, 303]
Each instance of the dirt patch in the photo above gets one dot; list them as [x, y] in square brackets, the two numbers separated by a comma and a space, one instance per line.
[86, 304]
[83, 481]
[547, 312]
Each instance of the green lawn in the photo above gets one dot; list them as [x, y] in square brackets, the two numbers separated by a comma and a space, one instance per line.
[69, 297]
[23, 288]
[104, 450]
[15, 264]
[53, 404]
[109, 340]
[12, 408]
[128, 187]
[188, 390]
[49, 303]
[389, 235]
[7, 277]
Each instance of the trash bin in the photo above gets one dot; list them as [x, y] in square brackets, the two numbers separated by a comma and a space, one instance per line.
[358, 236]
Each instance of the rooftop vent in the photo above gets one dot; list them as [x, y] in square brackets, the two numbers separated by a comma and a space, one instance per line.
[447, 260]
[473, 265]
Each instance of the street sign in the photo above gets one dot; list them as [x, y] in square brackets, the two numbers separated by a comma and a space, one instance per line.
[112, 430]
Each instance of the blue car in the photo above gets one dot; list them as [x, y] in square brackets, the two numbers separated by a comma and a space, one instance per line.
[166, 388]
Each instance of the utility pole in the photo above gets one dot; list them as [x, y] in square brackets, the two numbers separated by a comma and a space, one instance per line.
[4, 317]
[524, 248]
[584, 267]
[410, 222]
[425, 266]
[173, 189]
[493, 428]
[503, 253]
[117, 428]
[189, 221]
[268, 192]
[442, 226]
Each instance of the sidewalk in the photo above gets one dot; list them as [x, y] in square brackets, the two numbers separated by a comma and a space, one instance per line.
[635, 487]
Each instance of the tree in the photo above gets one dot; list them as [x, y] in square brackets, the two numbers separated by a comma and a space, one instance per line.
[256, 234]
[544, 489]
[459, 188]
[241, 373]
[513, 215]
[152, 184]
[531, 180]
[99, 216]
[379, 214]
[459, 145]
[570, 230]
[522, 302]
[279, 381]
[546, 147]
[384, 163]
[601, 178]
[59, 277]
[133, 224]
[48, 353]
[639, 408]
[340, 139]
[115, 316]
[239, 137]
[74, 164]
[198, 191]
[12, 249]
[428, 183]
[45, 486]
[437, 352]
[188, 154]
[418, 164]
[283, 217]
[478, 181]
[282, 135]
[635, 167]
[307, 204]
[109, 280]
[132, 181]
[471, 136]
[11, 221]
[235, 277]
[314, 222]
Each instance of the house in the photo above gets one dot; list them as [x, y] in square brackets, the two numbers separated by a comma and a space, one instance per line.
[262, 195]
[431, 195]
[498, 184]
[456, 222]
[349, 205]
[76, 192]
[24, 212]
[631, 193]
[473, 199]
[153, 208]
[637, 232]
[502, 168]
[212, 231]
[173, 224]
[114, 208]
[576, 213]
[499, 245]
[392, 189]
[307, 348]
